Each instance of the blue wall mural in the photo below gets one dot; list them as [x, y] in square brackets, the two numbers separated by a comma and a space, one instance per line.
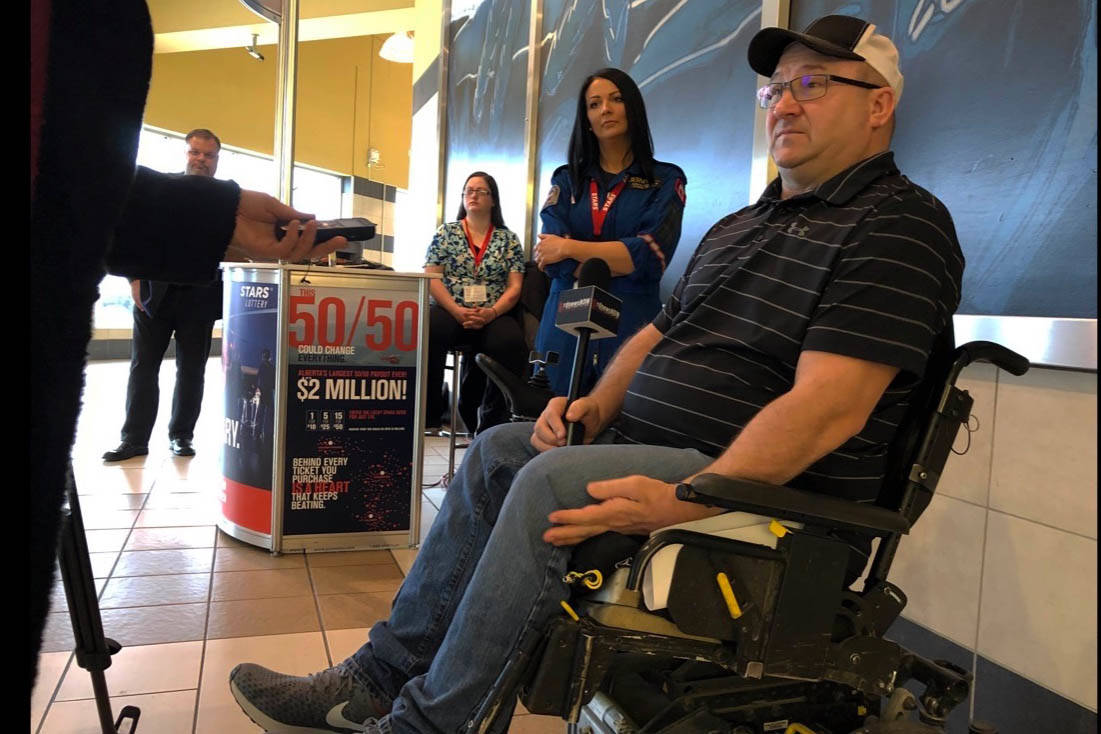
[999, 120]
[487, 88]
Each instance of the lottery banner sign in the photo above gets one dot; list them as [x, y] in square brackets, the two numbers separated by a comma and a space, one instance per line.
[249, 332]
[350, 419]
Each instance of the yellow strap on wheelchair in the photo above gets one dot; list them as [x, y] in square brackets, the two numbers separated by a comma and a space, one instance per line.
[570, 611]
[592, 579]
[728, 595]
[777, 529]
[799, 729]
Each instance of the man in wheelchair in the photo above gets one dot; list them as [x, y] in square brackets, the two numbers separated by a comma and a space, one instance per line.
[788, 354]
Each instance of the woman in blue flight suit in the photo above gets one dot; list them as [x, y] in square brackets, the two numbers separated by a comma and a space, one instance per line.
[612, 201]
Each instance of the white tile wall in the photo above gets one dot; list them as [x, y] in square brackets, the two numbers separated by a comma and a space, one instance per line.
[1039, 606]
[967, 477]
[366, 206]
[939, 565]
[388, 218]
[1023, 504]
[1045, 452]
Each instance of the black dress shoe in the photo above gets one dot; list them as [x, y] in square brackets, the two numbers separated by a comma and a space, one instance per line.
[182, 447]
[125, 451]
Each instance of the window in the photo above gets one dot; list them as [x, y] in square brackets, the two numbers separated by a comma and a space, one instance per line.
[315, 191]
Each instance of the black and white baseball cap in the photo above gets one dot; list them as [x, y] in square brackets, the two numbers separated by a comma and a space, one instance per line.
[840, 36]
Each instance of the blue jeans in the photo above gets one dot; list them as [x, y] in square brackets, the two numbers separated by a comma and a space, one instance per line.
[483, 575]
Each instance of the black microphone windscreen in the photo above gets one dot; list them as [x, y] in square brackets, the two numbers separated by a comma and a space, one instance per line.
[594, 272]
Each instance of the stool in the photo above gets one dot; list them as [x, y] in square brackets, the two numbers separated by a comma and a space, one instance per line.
[458, 356]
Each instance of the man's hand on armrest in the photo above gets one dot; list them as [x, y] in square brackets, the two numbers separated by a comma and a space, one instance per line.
[254, 231]
[634, 505]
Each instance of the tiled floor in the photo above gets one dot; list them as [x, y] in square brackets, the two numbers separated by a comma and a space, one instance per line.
[188, 602]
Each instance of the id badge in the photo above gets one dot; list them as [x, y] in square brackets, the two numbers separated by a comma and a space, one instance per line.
[474, 293]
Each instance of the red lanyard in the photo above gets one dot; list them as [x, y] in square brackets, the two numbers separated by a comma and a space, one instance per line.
[477, 252]
[600, 213]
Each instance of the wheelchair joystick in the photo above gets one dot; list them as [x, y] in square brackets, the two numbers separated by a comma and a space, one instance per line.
[538, 362]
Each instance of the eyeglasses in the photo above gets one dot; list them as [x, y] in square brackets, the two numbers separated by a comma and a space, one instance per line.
[475, 192]
[806, 87]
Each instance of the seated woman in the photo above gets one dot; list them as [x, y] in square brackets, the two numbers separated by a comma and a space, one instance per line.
[612, 201]
[482, 263]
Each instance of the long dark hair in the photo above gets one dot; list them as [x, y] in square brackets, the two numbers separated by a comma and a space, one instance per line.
[494, 213]
[584, 149]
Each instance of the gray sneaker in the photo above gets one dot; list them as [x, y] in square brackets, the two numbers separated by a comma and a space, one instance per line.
[330, 701]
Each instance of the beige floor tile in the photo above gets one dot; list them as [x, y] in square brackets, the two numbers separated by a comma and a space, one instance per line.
[349, 558]
[141, 669]
[435, 495]
[163, 713]
[113, 501]
[253, 617]
[244, 557]
[102, 563]
[58, 633]
[132, 625]
[192, 500]
[343, 611]
[162, 562]
[356, 579]
[428, 516]
[177, 517]
[342, 643]
[169, 538]
[532, 724]
[57, 594]
[296, 654]
[270, 584]
[155, 625]
[404, 557]
[199, 467]
[109, 519]
[104, 541]
[109, 479]
[146, 591]
[50, 667]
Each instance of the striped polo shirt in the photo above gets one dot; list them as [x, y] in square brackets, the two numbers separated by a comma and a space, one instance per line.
[866, 265]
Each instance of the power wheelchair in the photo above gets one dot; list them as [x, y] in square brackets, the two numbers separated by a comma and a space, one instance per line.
[756, 637]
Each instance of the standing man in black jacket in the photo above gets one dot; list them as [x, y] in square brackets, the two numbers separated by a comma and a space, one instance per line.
[161, 309]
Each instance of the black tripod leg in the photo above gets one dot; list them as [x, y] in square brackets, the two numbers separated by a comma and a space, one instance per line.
[93, 650]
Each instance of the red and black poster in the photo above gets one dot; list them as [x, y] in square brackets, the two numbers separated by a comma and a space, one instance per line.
[350, 420]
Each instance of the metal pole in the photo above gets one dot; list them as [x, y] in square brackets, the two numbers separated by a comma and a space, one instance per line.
[774, 13]
[286, 87]
[531, 118]
[441, 108]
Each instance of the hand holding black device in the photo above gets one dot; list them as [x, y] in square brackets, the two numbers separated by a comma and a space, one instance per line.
[590, 312]
[355, 229]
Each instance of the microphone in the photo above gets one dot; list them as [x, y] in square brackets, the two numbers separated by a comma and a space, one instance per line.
[588, 311]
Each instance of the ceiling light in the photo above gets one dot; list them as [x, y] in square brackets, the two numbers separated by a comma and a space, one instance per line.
[252, 50]
[398, 48]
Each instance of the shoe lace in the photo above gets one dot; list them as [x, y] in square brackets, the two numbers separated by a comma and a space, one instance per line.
[335, 683]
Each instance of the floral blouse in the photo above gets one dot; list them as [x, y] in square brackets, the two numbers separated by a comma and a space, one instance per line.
[449, 248]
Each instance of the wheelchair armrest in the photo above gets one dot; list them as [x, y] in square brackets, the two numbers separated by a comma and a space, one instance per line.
[996, 354]
[716, 490]
[524, 401]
